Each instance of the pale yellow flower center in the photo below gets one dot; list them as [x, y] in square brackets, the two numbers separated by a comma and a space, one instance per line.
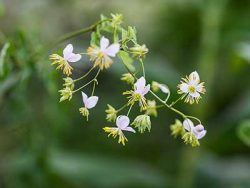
[191, 89]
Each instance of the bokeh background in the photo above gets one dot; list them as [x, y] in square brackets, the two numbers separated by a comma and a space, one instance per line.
[44, 143]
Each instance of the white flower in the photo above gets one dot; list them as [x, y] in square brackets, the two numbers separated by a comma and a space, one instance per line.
[89, 102]
[197, 130]
[191, 88]
[122, 123]
[68, 57]
[140, 87]
[101, 55]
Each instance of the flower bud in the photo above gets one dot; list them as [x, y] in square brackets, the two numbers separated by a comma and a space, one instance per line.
[69, 82]
[139, 51]
[66, 93]
[127, 77]
[111, 113]
[151, 108]
[117, 19]
[155, 86]
[84, 111]
[190, 138]
[142, 122]
[177, 129]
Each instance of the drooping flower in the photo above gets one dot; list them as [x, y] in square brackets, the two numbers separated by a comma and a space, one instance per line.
[142, 122]
[139, 51]
[63, 62]
[140, 89]
[101, 55]
[128, 78]
[89, 102]
[111, 113]
[194, 133]
[66, 93]
[191, 88]
[177, 129]
[69, 82]
[122, 123]
[157, 86]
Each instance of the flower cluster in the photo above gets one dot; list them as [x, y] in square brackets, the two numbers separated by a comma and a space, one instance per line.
[124, 47]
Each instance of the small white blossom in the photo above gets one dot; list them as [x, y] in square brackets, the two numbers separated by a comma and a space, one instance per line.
[101, 55]
[197, 130]
[89, 102]
[191, 88]
[140, 89]
[68, 57]
[122, 123]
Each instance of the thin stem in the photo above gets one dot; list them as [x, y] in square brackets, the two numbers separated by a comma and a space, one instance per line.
[143, 69]
[93, 90]
[120, 109]
[93, 80]
[167, 97]
[79, 32]
[87, 73]
[129, 109]
[174, 102]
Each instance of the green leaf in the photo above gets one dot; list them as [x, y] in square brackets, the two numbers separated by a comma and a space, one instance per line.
[244, 132]
[94, 39]
[127, 60]
[2, 57]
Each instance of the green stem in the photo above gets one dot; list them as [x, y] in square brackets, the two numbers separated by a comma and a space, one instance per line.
[84, 75]
[93, 80]
[120, 109]
[174, 102]
[129, 109]
[143, 69]
[93, 90]
[79, 32]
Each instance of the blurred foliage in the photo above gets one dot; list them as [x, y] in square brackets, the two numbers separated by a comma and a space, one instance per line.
[47, 144]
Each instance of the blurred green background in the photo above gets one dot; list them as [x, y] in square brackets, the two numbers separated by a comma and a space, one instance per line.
[47, 144]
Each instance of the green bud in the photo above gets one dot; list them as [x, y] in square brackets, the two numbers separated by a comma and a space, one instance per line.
[111, 113]
[155, 86]
[69, 82]
[66, 93]
[142, 122]
[189, 138]
[127, 77]
[117, 19]
[84, 111]
[177, 129]
[151, 108]
[139, 51]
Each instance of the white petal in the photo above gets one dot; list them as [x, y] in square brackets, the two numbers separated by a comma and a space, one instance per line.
[122, 122]
[146, 89]
[164, 88]
[67, 51]
[104, 43]
[194, 78]
[184, 87]
[84, 98]
[188, 124]
[91, 102]
[74, 58]
[130, 129]
[195, 94]
[140, 84]
[112, 50]
[201, 134]
[199, 88]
